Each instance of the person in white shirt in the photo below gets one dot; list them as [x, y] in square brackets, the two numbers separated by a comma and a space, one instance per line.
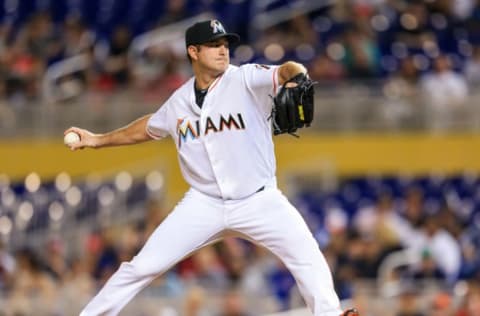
[445, 93]
[443, 247]
[220, 123]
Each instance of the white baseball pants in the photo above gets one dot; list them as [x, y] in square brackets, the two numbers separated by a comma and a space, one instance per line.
[266, 217]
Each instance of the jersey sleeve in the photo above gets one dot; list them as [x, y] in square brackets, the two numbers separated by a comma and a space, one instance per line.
[262, 83]
[157, 125]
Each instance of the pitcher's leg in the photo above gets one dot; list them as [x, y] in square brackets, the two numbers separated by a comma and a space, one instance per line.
[270, 220]
[189, 226]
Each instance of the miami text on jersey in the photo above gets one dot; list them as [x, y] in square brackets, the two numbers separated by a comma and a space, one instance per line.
[186, 129]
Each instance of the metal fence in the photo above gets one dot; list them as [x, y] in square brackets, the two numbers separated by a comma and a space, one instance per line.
[342, 107]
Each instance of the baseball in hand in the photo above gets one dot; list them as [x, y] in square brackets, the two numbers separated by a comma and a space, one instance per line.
[71, 138]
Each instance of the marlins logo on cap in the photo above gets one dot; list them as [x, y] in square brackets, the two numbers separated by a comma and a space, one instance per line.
[217, 27]
[207, 31]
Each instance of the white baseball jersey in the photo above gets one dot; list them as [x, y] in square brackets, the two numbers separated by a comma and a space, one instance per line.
[216, 153]
[226, 154]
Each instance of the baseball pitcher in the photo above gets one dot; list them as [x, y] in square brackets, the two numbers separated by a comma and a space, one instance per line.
[222, 121]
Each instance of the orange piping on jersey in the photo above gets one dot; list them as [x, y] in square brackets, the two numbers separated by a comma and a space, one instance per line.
[274, 81]
[149, 132]
[215, 83]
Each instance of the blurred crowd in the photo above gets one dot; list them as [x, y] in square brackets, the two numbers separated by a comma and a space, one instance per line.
[360, 227]
[406, 236]
[415, 50]
[413, 47]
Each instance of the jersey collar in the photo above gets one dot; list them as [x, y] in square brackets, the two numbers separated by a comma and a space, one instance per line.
[214, 84]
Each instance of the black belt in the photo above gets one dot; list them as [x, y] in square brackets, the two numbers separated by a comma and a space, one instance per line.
[260, 190]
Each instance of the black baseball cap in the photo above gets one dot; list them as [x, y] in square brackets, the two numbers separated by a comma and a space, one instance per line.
[207, 31]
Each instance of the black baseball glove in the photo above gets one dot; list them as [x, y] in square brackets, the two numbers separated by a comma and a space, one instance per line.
[293, 107]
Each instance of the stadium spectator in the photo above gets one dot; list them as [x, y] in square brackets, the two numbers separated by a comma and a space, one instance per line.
[233, 304]
[461, 9]
[55, 259]
[471, 303]
[405, 81]
[208, 270]
[160, 74]
[339, 261]
[21, 75]
[442, 305]
[116, 65]
[175, 10]
[301, 29]
[472, 23]
[443, 248]
[107, 259]
[255, 276]
[7, 268]
[155, 214]
[76, 37]
[34, 292]
[326, 70]
[449, 220]
[413, 206]
[427, 269]
[194, 303]
[379, 222]
[413, 29]
[233, 255]
[368, 263]
[282, 284]
[361, 54]
[408, 302]
[471, 68]
[445, 92]
[470, 245]
[402, 92]
[78, 285]
[39, 38]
